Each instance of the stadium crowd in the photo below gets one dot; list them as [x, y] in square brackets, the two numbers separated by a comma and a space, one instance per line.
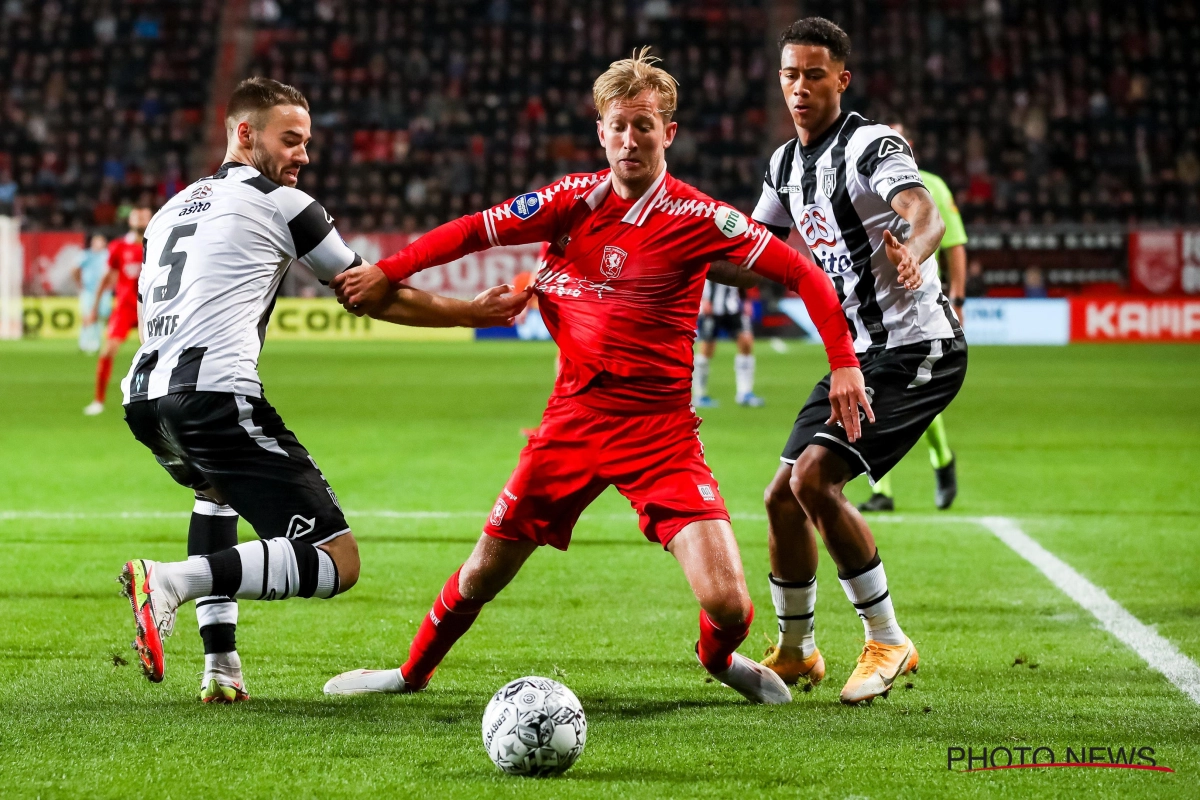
[1072, 110]
[427, 110]
[102, 103]
[1075, 110]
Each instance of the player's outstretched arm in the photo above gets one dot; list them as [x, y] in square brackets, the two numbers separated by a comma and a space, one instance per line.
[730, 274]
[495, 307]
[917, 207]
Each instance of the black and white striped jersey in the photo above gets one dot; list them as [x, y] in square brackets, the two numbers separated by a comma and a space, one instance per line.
[214, 258]
[726, 300]
[837, 193]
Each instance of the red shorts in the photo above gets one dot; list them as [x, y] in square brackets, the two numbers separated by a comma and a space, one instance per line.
[122, 321]
[655, 460]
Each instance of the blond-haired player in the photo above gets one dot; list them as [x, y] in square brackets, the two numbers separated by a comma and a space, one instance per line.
[618, 289]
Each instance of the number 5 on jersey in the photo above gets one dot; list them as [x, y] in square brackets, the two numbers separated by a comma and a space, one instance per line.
[175, 261]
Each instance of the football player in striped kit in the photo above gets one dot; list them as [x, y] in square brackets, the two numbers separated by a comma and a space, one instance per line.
[852, 190]
[724, 308]
[215, 255]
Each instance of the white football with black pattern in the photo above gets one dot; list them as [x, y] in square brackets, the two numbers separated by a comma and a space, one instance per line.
[534, 726]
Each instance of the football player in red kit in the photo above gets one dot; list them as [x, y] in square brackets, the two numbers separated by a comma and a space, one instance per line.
[124, 267]
[618, 289]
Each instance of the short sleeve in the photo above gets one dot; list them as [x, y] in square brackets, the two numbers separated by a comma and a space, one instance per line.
[769, 210]
[729, 235]
[888, 166]
[316, 243]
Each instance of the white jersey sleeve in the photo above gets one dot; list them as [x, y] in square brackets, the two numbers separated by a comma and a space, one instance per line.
[771, 210]
[314, 242]
[887, 166]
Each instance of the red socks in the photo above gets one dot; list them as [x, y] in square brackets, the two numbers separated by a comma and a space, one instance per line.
[103, 372]
[448, 620]
[717, 644]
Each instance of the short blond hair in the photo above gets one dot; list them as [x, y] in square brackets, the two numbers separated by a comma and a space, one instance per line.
[629, 77]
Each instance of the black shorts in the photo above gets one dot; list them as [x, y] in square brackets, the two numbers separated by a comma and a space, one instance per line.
[908, 387]
[711, 325]
[238, 448]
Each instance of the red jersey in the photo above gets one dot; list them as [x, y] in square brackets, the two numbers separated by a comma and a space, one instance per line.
[621, 280]
[125, 256]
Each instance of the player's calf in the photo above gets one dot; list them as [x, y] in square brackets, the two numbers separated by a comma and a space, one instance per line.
[492, 565]
[213, 528]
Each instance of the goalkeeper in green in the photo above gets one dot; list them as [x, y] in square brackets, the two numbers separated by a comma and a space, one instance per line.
[952, 257]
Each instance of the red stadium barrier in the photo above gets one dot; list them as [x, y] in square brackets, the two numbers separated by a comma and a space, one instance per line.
[1125, 319]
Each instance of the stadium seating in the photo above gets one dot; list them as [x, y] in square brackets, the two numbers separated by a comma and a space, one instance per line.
[102, 103]
[427, 110]
[1040, 112]
[423, 110]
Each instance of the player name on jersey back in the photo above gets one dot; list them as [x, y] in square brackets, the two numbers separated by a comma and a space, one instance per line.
[837, 193]
[215, 255]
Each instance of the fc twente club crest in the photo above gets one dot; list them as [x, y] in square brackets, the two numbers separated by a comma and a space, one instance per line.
[613, 260]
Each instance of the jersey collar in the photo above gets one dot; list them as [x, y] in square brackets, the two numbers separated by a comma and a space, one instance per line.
[813, 150]
[640, 210]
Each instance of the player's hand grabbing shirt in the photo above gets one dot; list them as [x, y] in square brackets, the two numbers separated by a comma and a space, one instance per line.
[621, 280]
[215, 256]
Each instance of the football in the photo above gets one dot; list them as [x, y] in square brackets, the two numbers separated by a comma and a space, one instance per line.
[534, 726]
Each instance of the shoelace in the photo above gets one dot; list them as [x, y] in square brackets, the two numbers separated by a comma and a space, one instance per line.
[873, 657]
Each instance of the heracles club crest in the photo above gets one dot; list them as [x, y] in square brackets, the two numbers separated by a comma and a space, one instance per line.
[828, 181]
[612, 261]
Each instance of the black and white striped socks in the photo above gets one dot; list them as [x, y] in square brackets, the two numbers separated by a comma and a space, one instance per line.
[867, 589]
[213, 529]
[795, 605]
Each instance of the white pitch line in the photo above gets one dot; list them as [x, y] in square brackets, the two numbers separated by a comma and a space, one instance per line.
[1159, 653]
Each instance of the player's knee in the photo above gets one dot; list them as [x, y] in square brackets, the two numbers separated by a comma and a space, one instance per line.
[810, 488]
[732, 610]
[779, 495]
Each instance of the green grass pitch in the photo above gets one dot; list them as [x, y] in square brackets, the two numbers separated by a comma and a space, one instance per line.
[1095, 451]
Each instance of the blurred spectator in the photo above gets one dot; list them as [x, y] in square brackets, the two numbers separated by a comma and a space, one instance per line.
[8, 193]
[976, 286]
[1035, 282]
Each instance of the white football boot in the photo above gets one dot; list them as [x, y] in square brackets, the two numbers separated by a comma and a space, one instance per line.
[368, 681]
[223, 681]
[753, 681]
[93, 408]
